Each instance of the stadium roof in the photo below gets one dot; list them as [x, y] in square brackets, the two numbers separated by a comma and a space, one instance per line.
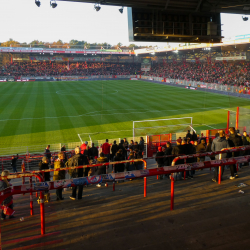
[219, 6]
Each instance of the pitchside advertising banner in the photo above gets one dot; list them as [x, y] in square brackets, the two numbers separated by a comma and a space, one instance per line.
[146, 64]
[60, 59]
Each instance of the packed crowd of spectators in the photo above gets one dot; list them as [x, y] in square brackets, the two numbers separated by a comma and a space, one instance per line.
[229, 73]
[72, 69]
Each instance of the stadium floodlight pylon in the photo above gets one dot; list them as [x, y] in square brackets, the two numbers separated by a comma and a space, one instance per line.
[162, 126]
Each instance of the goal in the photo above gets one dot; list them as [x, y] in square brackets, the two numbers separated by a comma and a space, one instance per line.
[162, 126]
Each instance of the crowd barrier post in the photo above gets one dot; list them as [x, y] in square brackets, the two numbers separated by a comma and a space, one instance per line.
[145, 180]
[23, 170]
[106, 169]
[172, 193]
[31, 199]
[42, 213]
[113, 185]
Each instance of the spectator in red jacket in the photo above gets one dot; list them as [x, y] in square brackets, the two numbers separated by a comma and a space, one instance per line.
[106, 149]
[83, 147]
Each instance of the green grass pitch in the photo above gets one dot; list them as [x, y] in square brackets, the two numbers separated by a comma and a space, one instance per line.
[37, 113]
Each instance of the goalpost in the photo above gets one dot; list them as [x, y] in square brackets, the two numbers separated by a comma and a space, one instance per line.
[162, 126]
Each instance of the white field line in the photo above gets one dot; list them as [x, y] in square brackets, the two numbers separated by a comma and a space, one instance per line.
[83, 92]
[96, 113]
[208, 126]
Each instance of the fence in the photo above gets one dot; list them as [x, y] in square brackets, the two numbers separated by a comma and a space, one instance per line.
[112, 177]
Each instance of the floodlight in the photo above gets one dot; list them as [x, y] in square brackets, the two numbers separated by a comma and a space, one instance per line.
[245, 18]
[121, 10]
[97, 7]
[53, 4]
[38, 3]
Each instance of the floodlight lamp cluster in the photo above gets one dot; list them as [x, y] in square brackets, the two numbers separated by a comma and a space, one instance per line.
[38, 3]
[53, 3]
[97, 7]
[121, 10]
[244, 18]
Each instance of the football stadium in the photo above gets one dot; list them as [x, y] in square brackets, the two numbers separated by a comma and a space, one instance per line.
[146, 146]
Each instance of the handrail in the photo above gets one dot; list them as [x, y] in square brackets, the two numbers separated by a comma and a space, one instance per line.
[111, 177]
[227, 150]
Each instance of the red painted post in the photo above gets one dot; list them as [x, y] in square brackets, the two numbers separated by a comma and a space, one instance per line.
[172, 193]
[228, 121]
[145, 187]
[185, 175]
[106, 169]
[237, 118]
[219, 175]
[157, 177]
[23, 170]
[113, 185]
[42, 213]
[31, 199]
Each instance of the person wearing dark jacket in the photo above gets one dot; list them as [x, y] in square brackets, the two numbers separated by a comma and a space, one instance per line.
[59, 175]
[47, 153]
[44, 165]
[218, 144]
[141, 144]
[167, 152]
[119, 157]
[101, 169]
[77, 160]
[234, 141]
[188, 135]
[159, 158]
[93, 152]
[123, 146]
[13, 163]
[114, 149]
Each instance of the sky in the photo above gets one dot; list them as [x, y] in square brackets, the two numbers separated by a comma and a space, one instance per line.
[23, 21]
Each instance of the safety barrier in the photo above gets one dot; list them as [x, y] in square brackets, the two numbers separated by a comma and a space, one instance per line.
[225, 150]
[46, 186]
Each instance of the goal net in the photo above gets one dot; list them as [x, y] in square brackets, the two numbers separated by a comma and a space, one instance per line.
[162, 126]
[244, 119]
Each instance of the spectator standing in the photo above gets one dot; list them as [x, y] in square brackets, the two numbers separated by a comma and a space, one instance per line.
[13, 163]
[93, 152]
[77, 160]
[219, 143]
[8, 202]
[119, 157]
[159, 158]
[47, 153]
[59, 174]
[167, 153]
[83, 147]
[141, 144]
[234, 141]
[44, 165]
[114, 149]
[106, 149]
[201, 148]
[101, 169]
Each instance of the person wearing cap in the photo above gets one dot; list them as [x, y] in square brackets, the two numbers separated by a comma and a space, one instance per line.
[44, 165]
[83, 147]
[159, 158]
[8, 202]
[47, 152]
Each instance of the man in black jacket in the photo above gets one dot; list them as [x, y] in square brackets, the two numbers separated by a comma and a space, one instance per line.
[218, 144]
[234, 141]
[77, 160]
[159, 158]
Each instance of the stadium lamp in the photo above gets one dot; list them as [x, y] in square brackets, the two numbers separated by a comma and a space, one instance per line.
[97, 7]
[245, 18]
[53, 4]
[38, 3]
[121, 10]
